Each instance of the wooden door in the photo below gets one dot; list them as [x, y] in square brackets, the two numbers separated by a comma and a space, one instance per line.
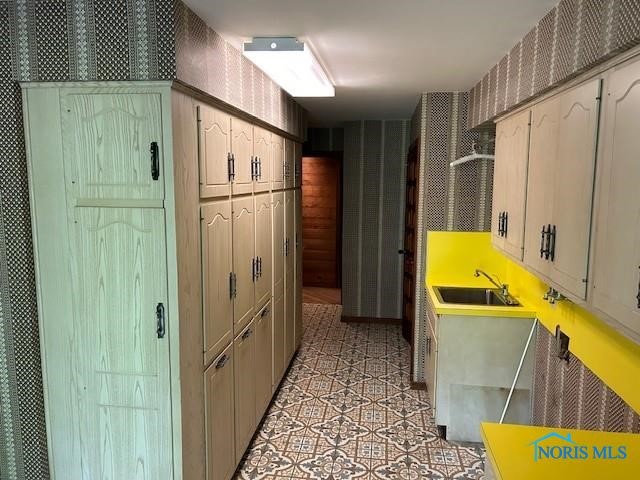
[321, 210]
[573, 186]
[214, 150]
[242, 150]
[263, 249]
[218, 283]
[298, 322]
[245, 388]
[289, 164]
[616, 272]
[278, 245]
[543, 158]
[409, 249]
[278, 340]
[219, 417]
[262, 157]
[243, 261]
[289, 323]
[277, 162]
[120, 349]
[289, 235]
[499, 183]
[112, 143]
[264, 360]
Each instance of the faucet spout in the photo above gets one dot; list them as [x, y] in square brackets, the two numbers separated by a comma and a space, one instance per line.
[503, 287]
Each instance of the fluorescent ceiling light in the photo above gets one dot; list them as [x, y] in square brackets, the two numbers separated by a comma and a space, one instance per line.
[291, 64]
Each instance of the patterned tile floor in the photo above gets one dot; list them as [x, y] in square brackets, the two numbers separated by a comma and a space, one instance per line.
[345, 410]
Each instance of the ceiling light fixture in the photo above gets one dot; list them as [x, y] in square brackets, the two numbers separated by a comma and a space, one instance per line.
[291, 64]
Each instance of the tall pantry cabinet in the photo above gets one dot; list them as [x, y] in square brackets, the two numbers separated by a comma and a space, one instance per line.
[160, 228]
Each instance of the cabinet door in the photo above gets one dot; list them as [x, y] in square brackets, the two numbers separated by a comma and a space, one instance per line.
[278, 340]
[219, 417]
[289, 164]
[214, 149]
[289, 324]
[299, 327]
[243, 261]
[573, 186]
[242, 150]
[297, 149]
[120, 365]
[109, 140]
[263, 249]
[499, 181]
[616, 272]
[278, 244]
[245, 388]
[543, 159]
[217, 277]
[277, 162]
[264, 360]
[262, 155]
[289, 220]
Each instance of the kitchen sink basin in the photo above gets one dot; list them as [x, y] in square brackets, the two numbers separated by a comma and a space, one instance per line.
[474, 296]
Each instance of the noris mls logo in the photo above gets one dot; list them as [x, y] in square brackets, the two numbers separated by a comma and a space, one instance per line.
[554, 446]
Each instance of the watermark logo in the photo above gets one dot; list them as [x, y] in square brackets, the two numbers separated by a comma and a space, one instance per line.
[555, 446]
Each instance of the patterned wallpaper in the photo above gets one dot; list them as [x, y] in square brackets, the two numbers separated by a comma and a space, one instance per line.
[374, 170]
[574, 36]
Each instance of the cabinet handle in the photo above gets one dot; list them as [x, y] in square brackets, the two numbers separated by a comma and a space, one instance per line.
[260, 266]
[552, 243]
[505, 224]
[230, 166]
[638, 296]
[160, 327]
[259, 171]
[253, 168]
[155, 160]
[235, 286]
[265, 311]
[547, 242]
[223, 361]
[246, 334]
[500, 224]
[542, 235]
[254, 269]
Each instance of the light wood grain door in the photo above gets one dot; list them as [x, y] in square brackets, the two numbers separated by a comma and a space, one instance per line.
[277, 162]
[262, 157]
[112, 143]
[289, 323]
[298, 324]
[543, 157]
[278, 340]
[263, 249]
[120, 344]
[245, 388]
[616, 272]
[244, 266]
[278, 245]
[242, 150]
[499, 183]
[289, 233]
[264, 360]
[220, 416]
[289, 164]
[214, 152]
[218, 282]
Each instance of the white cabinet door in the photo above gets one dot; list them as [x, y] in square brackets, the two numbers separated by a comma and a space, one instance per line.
[616, 271]
[217, 277]
[242, 150]
[277, 162]
[244, 267]
[262, 159]
[214, 152]
[112, 143]
[120, 342]
[263, 249]
[278, 244]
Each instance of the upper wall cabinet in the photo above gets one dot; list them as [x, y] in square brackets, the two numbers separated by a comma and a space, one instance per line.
[242, 146]
[297, 151]
[214, 152]
[616, 270]
[560, 186]
[289, 164]
[261, 159]
[510, 184]
[277, 162]
[112, 144]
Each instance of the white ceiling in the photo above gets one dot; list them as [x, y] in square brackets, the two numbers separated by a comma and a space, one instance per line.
[382, 53]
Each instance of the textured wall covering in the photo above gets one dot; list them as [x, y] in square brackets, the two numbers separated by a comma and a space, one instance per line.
[451, 199]
[573, 37]
[206, 61]
[569, 395]
[373, 217]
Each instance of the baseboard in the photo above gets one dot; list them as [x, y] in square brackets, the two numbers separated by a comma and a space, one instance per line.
[387, 321]
[418, 385]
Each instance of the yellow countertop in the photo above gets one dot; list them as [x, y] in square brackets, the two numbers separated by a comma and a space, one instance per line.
[522, 452]
[441, 308]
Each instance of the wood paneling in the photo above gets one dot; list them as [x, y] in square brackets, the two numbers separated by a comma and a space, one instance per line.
[321, 196]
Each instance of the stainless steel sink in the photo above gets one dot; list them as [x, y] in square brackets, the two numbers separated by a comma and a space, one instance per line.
[473, 296]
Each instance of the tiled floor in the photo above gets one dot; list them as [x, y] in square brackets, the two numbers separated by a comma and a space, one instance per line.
[345, 410]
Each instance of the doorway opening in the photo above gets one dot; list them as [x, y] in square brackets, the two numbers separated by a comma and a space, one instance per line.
[322, 228]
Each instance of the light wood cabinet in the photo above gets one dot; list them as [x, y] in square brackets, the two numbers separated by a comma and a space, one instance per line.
[298, 322]
[289, 235]
[615, 290]
[289, 323]
[278, 263]
[244, 262]
[263, 250]
[245, 388]
[262, 159]
[220, 417]
[277, 162]
[242, 148]
[289, 164]
[214, 152]
[510, 184]
[264, 359]
[278, 340]
[218, 278]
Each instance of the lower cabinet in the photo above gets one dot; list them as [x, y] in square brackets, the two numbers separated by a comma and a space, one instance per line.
[264, 359]
[219, 416]
[245, 387]
[289, 324]
[278, 340]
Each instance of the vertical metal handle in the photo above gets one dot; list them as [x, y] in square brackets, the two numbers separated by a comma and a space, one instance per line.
[230, 166]
[505, 224]
[235, 285]
[253, 168]
[160, 326]
[552, 243]
[260, 266]
[155, 160]
[253, 269]
[547, 243]
[638, 296]
[230, 284]
[543, 232]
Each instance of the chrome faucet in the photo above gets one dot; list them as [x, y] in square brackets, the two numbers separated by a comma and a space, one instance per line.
[504, 288]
